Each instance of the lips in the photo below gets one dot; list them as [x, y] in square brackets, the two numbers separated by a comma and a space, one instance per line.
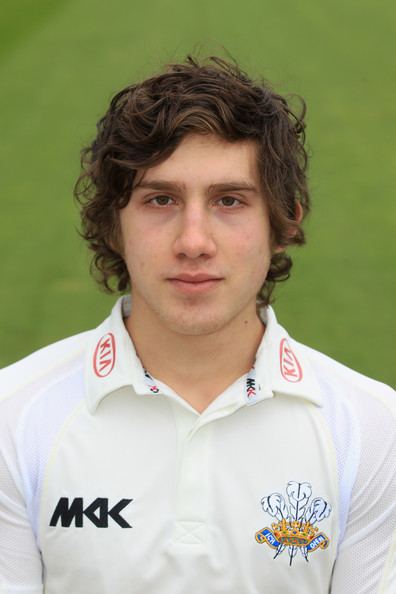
[195, 278]
[194, 283]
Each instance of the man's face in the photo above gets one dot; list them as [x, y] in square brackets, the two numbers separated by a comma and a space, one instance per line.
[196, 237]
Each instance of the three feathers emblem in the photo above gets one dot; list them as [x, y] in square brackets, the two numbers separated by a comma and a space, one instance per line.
[295, 529]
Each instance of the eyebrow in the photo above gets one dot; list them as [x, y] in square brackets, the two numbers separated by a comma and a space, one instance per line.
[231, 186]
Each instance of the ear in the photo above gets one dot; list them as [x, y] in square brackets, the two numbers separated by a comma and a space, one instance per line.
[298, 213]
[298, 217]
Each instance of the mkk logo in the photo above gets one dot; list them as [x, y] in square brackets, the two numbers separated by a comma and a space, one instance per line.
[97, 512]
[105, 355]
[250, 387]
[290, 367]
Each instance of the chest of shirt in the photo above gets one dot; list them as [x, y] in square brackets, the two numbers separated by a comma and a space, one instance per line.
[144, 492]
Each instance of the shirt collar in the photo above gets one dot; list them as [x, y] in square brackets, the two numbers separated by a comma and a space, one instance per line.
[112, 363]
[282, 364]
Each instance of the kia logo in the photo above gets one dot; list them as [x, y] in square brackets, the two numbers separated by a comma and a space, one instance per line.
[290, 367]
[105, 355]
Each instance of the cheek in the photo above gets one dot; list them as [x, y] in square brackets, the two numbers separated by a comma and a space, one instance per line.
[254, 243]
[142, 252]
[254, 253]
[131, 252]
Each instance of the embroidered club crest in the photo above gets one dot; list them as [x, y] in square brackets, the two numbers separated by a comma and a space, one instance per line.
[295, 529]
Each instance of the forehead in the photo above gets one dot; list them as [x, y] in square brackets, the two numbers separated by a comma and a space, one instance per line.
[207, 159]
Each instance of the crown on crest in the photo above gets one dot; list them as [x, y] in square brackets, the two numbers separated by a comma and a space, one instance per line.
[294, 533]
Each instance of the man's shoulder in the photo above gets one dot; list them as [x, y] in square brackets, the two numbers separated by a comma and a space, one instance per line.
[338, 379]
[45, 365]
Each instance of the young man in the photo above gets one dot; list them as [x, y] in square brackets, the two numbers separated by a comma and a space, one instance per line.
[188, 444]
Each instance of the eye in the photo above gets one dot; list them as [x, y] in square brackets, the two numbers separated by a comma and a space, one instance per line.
[229, 201]
[161, 200]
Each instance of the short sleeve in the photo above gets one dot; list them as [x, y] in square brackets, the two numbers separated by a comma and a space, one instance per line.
[20, 561]
[366, 561]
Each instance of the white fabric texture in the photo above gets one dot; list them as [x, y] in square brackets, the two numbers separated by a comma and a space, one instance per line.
[21, 567]
[353, 429]
[366, 561]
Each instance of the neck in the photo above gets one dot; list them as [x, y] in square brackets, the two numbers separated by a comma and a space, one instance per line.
[197, 367]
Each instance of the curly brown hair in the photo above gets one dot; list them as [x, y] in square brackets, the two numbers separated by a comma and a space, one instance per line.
[146, 122]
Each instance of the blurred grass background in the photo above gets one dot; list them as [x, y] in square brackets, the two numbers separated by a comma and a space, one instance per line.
[62, 60]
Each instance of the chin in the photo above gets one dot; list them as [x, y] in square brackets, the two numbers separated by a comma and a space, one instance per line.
[195, 325]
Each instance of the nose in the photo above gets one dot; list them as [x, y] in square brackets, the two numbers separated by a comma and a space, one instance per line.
[195, 234]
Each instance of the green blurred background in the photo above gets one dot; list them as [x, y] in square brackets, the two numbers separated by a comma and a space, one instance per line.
[62, 60]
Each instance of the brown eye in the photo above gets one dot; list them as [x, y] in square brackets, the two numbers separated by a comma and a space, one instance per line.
[161, 200]
[229, 201]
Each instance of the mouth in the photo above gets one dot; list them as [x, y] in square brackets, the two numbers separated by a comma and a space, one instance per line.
[192, 284]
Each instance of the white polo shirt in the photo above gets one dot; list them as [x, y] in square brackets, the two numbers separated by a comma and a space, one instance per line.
[110, 483]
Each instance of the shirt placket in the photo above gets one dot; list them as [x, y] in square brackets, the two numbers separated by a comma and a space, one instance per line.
[192, 488]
